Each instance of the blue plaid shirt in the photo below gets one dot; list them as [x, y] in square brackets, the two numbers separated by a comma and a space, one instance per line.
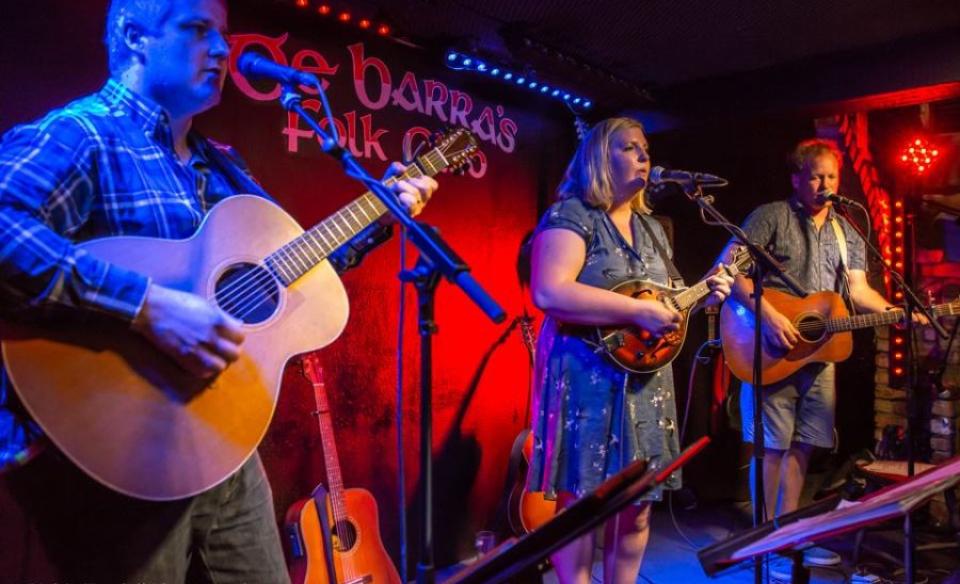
[105, 165]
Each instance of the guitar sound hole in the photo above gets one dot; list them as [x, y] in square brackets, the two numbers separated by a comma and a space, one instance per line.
[248, 292]
[344, 536]
[811, 328]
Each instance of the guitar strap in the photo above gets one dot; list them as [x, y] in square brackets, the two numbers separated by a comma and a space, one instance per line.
[844, 265]
[675, 278]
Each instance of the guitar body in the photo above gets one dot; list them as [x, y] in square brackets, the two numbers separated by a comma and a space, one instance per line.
[526, 510]
[127, 414]
[816, 345]
[358, 552]
[635, 349]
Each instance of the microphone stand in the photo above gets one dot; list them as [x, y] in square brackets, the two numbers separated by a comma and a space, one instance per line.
[764, 263]
[912, 304]
[436, 259]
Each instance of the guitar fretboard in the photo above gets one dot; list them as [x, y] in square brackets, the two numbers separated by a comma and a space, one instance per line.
[299, 256]
[694, 294]
[860, 321]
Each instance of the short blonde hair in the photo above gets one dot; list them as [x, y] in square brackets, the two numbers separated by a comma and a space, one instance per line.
[588, 175]
[808, 150]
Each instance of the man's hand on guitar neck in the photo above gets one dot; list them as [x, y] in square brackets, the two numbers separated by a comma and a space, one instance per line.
[413, 193]
[200, 337]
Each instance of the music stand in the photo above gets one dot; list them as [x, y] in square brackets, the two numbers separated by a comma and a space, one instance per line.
[515, 556]
[887, 503]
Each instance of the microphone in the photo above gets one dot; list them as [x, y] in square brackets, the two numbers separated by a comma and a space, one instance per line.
[659, 174]
[251, 64]
[825, 196]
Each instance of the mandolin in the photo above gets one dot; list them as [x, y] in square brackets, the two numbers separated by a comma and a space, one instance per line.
[638, 350]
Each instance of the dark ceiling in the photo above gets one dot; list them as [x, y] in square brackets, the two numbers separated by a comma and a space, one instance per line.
[646, 53]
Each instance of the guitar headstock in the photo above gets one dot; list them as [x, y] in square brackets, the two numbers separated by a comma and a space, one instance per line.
[310, 365]
[451, 150]
[526, 332]
[740, 260]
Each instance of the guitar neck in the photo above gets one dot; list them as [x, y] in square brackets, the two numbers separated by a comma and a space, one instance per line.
[299, 256]
[689, 297]
[694, 294]
[330, 458]
[887, 318]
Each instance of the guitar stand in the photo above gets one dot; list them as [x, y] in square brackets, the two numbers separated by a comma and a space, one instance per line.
[425, 278]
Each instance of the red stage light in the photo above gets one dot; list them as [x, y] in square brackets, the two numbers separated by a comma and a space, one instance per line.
[344, 17]
[302, 3]
[383, 30]
[324, 9]
[898, 371]
[364, 23]
[919, 154]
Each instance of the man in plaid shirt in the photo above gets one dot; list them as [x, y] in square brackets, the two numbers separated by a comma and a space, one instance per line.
[125, 161]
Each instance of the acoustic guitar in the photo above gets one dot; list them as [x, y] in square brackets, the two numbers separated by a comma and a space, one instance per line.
[133, 419]
[638, 350]
[341, 544]
[824, 325]
[526, 510]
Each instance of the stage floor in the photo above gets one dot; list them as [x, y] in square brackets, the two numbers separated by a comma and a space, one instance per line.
[671, 556]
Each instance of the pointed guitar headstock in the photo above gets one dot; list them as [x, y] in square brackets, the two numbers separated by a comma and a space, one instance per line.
[310, 365]
[451, 150]
[739, 261]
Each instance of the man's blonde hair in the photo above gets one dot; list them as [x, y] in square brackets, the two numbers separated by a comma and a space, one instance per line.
[808, 150]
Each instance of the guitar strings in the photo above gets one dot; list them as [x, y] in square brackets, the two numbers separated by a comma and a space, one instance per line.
[238, 291]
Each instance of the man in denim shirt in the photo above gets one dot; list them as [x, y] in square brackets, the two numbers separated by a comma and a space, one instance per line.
[125, 161]
[798, 412]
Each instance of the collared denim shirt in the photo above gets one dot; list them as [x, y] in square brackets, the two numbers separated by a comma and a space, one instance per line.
[809, 255]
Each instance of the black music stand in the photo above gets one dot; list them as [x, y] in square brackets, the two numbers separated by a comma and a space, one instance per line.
[805, 530]
[515, 556]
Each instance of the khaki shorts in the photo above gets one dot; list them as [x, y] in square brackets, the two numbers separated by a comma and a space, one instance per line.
[800, 408]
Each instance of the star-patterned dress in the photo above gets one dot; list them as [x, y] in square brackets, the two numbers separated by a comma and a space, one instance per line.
[584, 429]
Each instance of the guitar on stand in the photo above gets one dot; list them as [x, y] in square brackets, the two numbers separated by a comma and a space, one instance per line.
[340, 544]
[526, 511]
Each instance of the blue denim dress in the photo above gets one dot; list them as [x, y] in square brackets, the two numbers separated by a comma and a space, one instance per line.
[590, 418]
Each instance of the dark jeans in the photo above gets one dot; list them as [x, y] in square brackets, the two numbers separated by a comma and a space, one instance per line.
[58, 525]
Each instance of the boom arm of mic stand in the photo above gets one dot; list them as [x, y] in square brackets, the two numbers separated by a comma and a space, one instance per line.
[430, 244]
[770, 264]
[911, 296]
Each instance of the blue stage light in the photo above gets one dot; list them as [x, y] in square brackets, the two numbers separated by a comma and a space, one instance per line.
[459, 61]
